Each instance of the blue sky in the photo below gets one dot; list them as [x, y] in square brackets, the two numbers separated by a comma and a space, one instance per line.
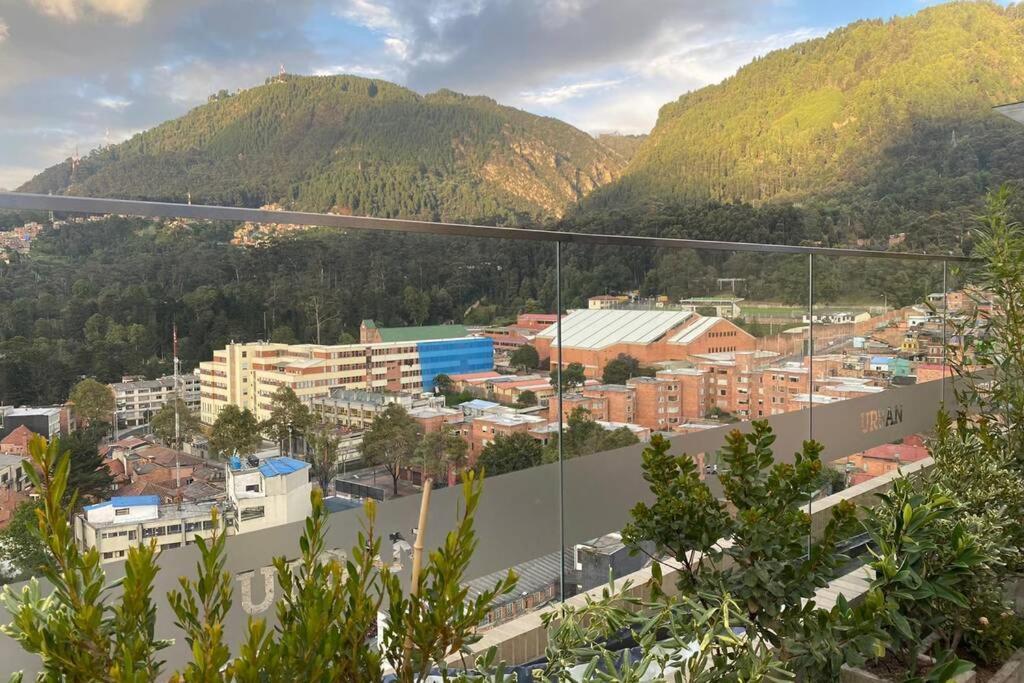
[76, 74]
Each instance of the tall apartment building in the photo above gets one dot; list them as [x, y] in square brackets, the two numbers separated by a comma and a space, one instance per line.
[138, 400]
[247, 375]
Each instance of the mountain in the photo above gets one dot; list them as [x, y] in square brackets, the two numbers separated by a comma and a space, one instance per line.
[351, 145]
[887, 123]
[625, 145]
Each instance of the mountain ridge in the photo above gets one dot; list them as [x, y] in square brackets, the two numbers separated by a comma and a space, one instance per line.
[352, 145]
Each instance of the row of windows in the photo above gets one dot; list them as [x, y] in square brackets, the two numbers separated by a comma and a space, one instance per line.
[721, 349]
[724, 333]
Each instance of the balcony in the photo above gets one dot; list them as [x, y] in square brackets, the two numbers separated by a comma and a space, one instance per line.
[536, 518]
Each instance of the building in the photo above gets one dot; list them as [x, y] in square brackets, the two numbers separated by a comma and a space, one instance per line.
[485, 428]
[260, 495]
[606, 301]
[356, 409]
[267, 493]
[16, 443]
[48, 422]
[115, 525]
[594, 337]
[724, 307]
[247, 375]
[371, 333]
[12, 473]
[138, 400]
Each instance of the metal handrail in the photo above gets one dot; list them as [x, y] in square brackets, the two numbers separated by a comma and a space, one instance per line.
[40, 202]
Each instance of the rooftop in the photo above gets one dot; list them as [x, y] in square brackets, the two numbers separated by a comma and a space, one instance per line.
[598, 329]
[422, 333]
[25, 411]
[693, 332]
[125, 501]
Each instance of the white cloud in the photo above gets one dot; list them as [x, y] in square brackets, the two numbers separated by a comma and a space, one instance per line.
[113, 102]
[72, 10]
[4, 30]
[365, 70]
[397, 47]
[368, 13]
[559, 94]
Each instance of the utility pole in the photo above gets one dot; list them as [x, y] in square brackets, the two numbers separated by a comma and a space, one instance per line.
[177, 417]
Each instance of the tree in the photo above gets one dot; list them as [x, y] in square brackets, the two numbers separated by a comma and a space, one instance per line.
[417, 305]
[583, 436]
[390, 441]
[283, 334]
[440, 451]
[525, 358]
[94, 402]
[324, 461]
[89, 478]
[443, 384]
[162, 424]
[234, 431]
[81, 632]
[517, 451]
[526, 399]
[573, 375]
[769, 568]
[20, 546]
[621, 368]
[289, 417]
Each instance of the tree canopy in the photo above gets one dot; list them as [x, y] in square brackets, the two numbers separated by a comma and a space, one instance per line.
[391, 441]
[235, 430]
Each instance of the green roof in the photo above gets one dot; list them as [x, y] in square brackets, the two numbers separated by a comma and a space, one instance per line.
[423, 333]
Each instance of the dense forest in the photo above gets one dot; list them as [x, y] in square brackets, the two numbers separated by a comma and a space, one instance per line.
[99, 298]
[352, 145]
[885, 125]
[878, 129]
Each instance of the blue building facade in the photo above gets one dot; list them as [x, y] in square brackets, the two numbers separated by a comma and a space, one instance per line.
[454, 357]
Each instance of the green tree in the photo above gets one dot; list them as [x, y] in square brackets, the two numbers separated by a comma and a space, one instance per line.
[83, 634]
[526, 399]
[525, 358]
[234, 431]
[93, 401]
[517, 451]
[573, 375]
[621, 368]
[583, 436]
[390, 441]
[289, 418]
[283, 334]
[441, 451]
[771, 568]
[189, 424]
[443, 384]
[89, 478]
[324, 461]
[21, 548]
[417, 305]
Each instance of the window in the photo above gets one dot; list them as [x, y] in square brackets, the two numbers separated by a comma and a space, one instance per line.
[108, 556]
[131, 534]
[121, 512]
[252, 488]
[251, 513]
[174, 529]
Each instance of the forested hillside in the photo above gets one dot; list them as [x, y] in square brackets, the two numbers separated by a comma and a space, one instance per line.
[352, 145]
[880, 127]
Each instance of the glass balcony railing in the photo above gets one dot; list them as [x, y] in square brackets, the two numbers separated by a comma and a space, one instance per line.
[572, 353]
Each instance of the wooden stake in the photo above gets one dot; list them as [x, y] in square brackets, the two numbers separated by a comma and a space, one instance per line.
[417, 560]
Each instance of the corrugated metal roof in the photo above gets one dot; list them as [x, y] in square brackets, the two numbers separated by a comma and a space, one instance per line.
[272, 467]
[598, 329]
[693, 332]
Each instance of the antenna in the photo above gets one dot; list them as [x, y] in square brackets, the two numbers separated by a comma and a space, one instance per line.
[177, 418]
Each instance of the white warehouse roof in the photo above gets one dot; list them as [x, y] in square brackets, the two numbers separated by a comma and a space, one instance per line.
[598, 329]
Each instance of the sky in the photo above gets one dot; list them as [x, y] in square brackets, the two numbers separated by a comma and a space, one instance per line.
[77, 74]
